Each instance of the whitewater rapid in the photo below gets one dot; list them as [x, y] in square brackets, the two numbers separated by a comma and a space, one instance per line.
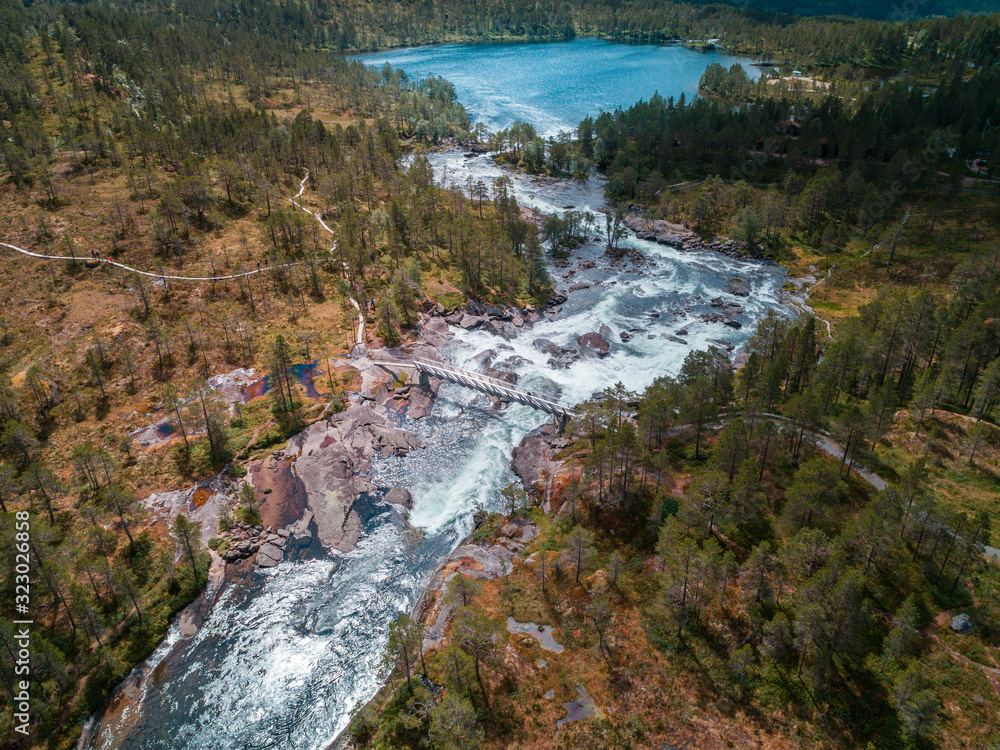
[287, 653]
[675, 286]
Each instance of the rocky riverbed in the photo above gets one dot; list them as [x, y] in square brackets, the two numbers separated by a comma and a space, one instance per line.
[340, 553]
[682, 238]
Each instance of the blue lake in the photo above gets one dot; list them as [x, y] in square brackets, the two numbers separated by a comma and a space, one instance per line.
[554, 85]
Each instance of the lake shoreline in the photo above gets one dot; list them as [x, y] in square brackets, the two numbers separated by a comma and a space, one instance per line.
[695, 45]
[554, 85]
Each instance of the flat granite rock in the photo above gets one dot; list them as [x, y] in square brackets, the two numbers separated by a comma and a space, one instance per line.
[582, 708]
[269, 555]
[490, 564]
[332, 501]
[331, 458]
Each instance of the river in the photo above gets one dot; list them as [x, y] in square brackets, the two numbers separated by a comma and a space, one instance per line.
[286, 653]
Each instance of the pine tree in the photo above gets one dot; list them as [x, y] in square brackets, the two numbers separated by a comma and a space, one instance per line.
[186, 536]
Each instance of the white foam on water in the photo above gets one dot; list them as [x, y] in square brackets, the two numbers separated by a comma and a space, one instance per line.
[284, 656]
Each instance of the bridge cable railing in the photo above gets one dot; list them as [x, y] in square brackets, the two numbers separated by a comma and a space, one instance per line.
[485, 382]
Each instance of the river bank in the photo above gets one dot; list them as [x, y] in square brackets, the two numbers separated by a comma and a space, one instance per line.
[317, 499]
[341, 559]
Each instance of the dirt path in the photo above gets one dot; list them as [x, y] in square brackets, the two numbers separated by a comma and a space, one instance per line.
[941, 621]
[294, 200]
[156, 275]
[151, 274]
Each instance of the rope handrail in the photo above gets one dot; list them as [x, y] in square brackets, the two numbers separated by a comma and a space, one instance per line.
[490, 380]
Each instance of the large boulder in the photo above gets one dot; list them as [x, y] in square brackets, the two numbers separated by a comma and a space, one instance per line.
[961, 624]
[547, 347]
[560, 357]
[421, 401]
[399, 496]
[594, 344]
[499, 313]
[738, 287]
[435, 331]
[512, 363]
[482, 360]
[529, 459]
[500, 328]
[337, 523]
[269, 555]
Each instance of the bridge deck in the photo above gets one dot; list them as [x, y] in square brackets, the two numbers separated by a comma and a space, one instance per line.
[483, 383]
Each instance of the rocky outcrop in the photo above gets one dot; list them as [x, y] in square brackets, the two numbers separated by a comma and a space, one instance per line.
[484, 560]
[521, 530]
[202, 503]
[533, 459]
[331, 458]
[681, 238]
[430, 307]
[499, 321]
[398, 391]
[239, 541]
